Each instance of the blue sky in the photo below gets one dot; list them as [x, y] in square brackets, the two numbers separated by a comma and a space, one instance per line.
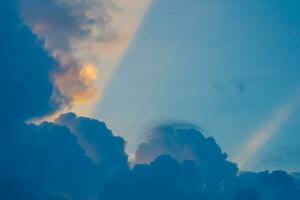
[226, 67]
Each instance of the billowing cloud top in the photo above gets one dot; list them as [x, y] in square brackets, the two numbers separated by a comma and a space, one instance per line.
[97, 141]
[184, 142]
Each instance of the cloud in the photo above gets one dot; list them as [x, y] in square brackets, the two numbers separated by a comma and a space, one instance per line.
[48, 161]
[185, 142]
[62, 24]
[216, 177]
[98, 141]
[45, 160]
[163, 178]
[70, 18]
[81, 34]
[25, 82]
[266, 186]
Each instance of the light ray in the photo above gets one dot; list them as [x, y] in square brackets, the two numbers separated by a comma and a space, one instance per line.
[267, 131]
[126, 20]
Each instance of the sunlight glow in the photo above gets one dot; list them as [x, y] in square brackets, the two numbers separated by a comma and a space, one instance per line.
[88, 73]
[106, 55]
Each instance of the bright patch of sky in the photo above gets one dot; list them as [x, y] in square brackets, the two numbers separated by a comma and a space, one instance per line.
[226, 66]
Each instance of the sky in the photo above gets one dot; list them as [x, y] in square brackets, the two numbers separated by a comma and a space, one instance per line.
[149, 99]
[228, 67]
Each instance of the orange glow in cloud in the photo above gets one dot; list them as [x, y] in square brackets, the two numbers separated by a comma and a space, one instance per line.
[100, 46]
[88, 73]
[77, 83]
[106, 54]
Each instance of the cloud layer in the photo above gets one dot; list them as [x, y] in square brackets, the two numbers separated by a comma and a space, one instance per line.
[183, 164]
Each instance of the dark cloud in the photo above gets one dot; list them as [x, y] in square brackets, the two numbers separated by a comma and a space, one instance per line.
[184, 142]
[163, 178]
[276, 185]
[46, 160]
[98, 141]
[25, 82]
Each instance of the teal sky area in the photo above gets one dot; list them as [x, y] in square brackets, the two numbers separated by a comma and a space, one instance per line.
[225, 66]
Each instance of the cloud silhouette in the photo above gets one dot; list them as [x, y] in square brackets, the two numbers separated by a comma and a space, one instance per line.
[185, 142]
[46, 159]
[266, 186]
[97, 140]
[163, 178]
[25, 82]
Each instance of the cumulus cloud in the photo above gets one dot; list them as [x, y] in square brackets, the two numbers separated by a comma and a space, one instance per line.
[216, 177]
[186, 142]
[62, 24]
[46, 160]
[97, 140]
